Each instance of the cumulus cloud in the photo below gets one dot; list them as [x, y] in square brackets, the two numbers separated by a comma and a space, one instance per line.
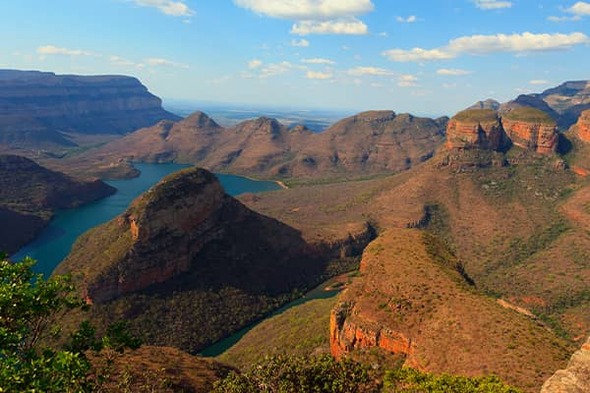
[492, 4]
[452, 72]
[317, 61]
[168, 7]
[409, 19]
[539, 82]
[373, 71]
[341, 26]
[581, 8]
[484, 44]
[318, 75]
[302, 43]
[56, 50]
[307, 9]
[564, 18]
[159, 62]
[315, 16]
[121, 61]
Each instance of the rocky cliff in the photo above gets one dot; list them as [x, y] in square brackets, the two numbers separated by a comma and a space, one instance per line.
[369, 143]
[575, 378]
[583, 126]
[29, 193]
[40, 109]
[186, 254]
[485, 129]
[411, 299]
[476, 128]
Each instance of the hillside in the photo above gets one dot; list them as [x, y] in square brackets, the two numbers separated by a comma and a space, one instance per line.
[369, 143]
[29, 194]
[41, 110]
[411, 298]
[179, 257]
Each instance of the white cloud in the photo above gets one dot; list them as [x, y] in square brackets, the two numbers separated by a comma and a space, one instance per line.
[417, 54]
[407, 80]
[307, 9]
[341, 26]
[168, 7]
[558, 19]
[373, 71]
[317, 61]
[159, 62]
[318, 75]
[484, 44]
[255, 63]
[302, 43]
[263, 71]
[121, 61]
[581, 8]
[409, 19]
[539, 82]
[55, 50]
[453, 72]
[492, 4]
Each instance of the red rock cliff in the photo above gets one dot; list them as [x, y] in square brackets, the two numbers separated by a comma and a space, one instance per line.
[583, 126]
[540, 137]
[475, 128]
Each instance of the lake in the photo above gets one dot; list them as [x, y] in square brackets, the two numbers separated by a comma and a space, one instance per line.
[54, 243]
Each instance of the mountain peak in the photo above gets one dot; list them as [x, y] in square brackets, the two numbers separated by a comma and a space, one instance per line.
[200, 120]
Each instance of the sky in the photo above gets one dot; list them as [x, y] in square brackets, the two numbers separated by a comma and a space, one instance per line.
[426, 57]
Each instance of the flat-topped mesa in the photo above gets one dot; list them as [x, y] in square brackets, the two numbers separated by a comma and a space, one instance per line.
[374, 116]
[476, 128]
[583, 126]
[531, 129]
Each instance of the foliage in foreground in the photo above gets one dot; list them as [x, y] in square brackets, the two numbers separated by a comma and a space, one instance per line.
[408, 380]
[293, 374]
[30, 308]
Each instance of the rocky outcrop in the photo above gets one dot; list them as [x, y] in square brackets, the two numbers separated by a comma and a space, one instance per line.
[476, 128]
[575, 378]
[412, 299]
[29, 193]
[39, 109]
[583, 126]
[485, 129]
[531, 129]
[486, 104]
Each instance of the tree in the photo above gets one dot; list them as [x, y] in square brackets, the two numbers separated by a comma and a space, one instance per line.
[29, 307]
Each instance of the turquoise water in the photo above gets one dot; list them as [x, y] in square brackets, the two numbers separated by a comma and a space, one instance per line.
[55, 242]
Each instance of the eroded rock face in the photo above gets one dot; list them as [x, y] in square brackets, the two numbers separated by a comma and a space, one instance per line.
[583, 126]
[37, 107]
[540, 137]
[476, 128]
[573, 379]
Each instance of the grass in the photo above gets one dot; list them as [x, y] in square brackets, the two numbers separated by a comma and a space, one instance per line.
[528, 114]
[301, 330]
[476, 115]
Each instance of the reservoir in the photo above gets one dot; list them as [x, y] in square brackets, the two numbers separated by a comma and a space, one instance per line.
[54, 243]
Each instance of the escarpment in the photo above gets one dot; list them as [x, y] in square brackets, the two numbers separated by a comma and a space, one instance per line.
[40, 109]
[476, 128]
[410, 299]
[531, 129]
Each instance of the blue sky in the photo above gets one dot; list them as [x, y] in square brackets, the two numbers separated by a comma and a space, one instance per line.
[424, 57]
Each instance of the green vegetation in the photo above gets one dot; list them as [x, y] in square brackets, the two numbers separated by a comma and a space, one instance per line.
[408, 380]
[29, 306]
[301, 330]
[528, 114]
[476, 115]
[293, 374]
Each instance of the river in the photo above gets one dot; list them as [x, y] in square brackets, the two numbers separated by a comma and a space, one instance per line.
[54, 243]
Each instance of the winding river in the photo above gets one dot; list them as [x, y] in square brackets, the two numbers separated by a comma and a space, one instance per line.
[54, 243]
